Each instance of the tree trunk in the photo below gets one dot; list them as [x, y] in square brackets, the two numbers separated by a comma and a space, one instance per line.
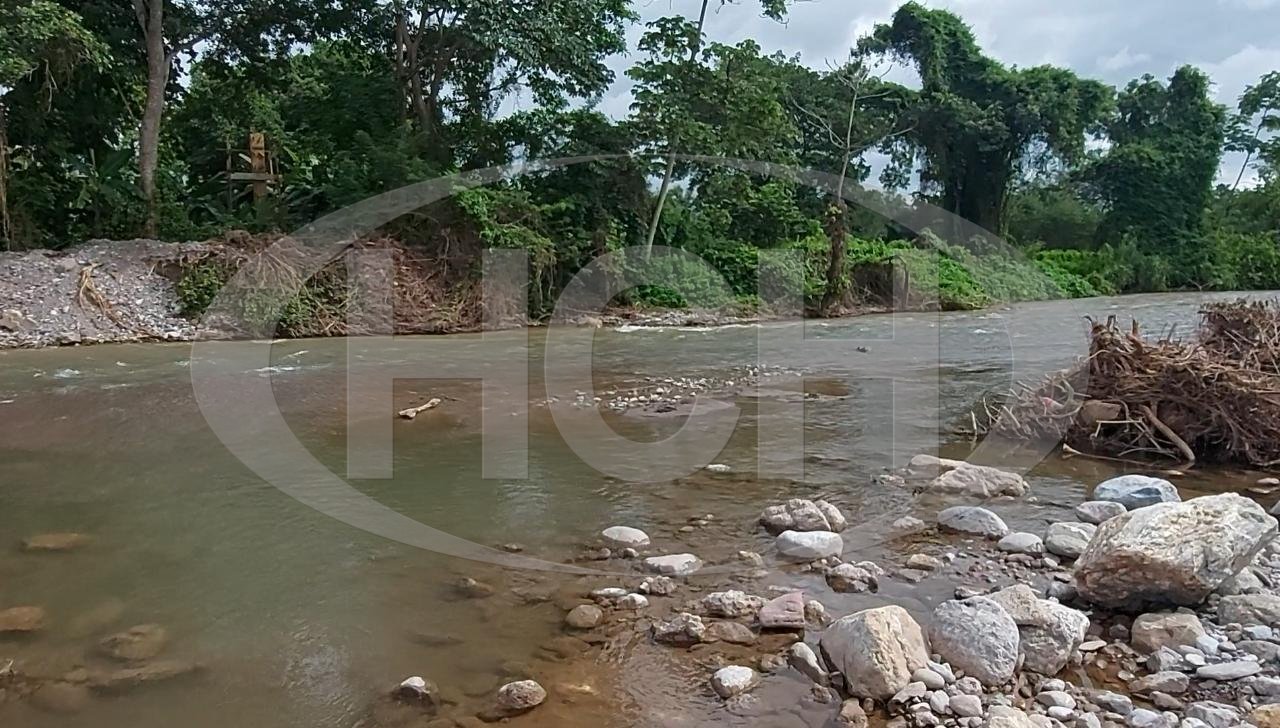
[670, 170]
[6, 227]
[834, 291]
[151, 17]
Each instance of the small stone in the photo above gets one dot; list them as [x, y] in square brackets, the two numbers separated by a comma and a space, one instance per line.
[682, 630]
[734, 680]
[1058, 712]
[931, 679]
[520, 697]
[1021, 542]
[809, 545]
[1056, 697]
[1228, 670]
[784, 612]
[473, 589]
[418, 690]
[1266, 716]
[924, 562]
[584, 616]
[658, 585]
[625, 536]
[1112, 702]
[673, 565]
[973, 520]
[735, 633]
[1069, 540]
[1143, 718]
[1165, 701]
[816, 613]
[732, 604]
[1150, 632]
[1216, 715]
[966, 706]
[1096, 512]
[939, 702]
[851, 579]
[633, 602]
[802, 658]
[853, 716]
[1175, 683]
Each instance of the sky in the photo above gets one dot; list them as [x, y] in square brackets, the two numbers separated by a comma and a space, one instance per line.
[1234, 41]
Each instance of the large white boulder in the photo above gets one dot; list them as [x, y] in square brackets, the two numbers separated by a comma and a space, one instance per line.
[809, 545]
[876, 650]
[1049, 633]
[1136, 491]
[978, 636]
[1172, 553]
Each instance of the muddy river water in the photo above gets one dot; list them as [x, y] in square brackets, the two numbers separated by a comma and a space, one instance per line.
[300, 619]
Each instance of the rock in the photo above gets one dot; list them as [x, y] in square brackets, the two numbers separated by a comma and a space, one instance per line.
[1143, 718]
[784, 612]
[151, 672]
[1003, 716]
[966, 706]
[1165, 659]
[735, 633]
[1068, 539]
[809, 545]
[1228, 670]
[1112, 702]
[625, 537]
[1049, 633]
[658, 585]
[977, 636]
[1216, 715]
[520, 697]
[682, 630]
[802, 659]
[136, 644]
[853, 716]
[732, 604]
[55, 542]
[1150, 632]
[973, 520]
[980, 481]
[1165, 682]
[1266, 716]
[418, 690]
[1250, 609]
[472, 589]
[1165, 701]
[1136, 491]
[1264, 651]
[816, 613]
[907, 525]
[1246, 582]
[875, 650]
[924, 562]
[633, 602]
[1172, 552]
[1059, 698]
[929, 678]
[22, 619]
[850, 579]
[1021, 543]
[674, 565]
[799, 514]
[1097, 511]
[61, 698]
[734, 680]
[584, 616]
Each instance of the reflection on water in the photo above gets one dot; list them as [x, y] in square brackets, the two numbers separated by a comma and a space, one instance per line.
[300, 620]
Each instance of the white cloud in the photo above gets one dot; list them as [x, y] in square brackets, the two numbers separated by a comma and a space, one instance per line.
[1251, 4]
[1122, 59]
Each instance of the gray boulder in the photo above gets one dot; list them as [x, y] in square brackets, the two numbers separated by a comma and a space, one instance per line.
[1049, 633]
[1136, 491]
[973, 520]
[809, 545]
[1068, 539]
[1172, 553]
[1250, 609]
[1152, 631]
[875, 650]
[980, 481]
[977, 636]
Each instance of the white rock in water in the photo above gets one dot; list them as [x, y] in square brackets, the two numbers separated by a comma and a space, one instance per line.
[1136, 491]
[682, 630]
[809, 545]
[1049, 633]
[802, 659]
[1172, 553]
[625, 536]
[717, 468]
[732, 604]
[974, 520]
[673, 565]
[1021, 543]
[980, 481]
[734, 680]
[521, 696]
[876, 650]
[799, 514]
[1069, 539]
[1096, 512]
[633, 602]
[977, 636]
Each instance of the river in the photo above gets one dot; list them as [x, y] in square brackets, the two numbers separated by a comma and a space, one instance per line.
[299, 619]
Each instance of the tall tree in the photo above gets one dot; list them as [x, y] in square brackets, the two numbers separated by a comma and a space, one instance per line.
[977, 124]
[1157, 177]
[1255, 129]
[37, 37]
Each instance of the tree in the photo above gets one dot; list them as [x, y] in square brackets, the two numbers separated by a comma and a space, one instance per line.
[977, 125]
[674, 46]
[37, 36]
[1157, 177]
[1254, 128]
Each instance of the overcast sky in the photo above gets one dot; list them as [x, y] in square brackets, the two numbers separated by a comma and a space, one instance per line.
[1234, 41]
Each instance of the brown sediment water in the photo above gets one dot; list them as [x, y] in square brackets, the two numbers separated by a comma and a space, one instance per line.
[302, 620]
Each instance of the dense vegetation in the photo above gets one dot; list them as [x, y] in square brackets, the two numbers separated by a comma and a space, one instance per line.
[123, 119]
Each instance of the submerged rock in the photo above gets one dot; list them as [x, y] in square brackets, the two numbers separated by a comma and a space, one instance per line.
[1136, 491]
[980, 481]
[809, 545]
[1049, 633]
[56, 542]
[1172, 553]
[625, 537]
[875, 650]
[673, 565]
[799, 514]
[977, 636]
[160, 671]
[61, 698]
[22, 619]
[418, 690]
[142, 642]
[973, 520]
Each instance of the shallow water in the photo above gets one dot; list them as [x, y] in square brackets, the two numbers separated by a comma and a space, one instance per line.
[303, 620]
